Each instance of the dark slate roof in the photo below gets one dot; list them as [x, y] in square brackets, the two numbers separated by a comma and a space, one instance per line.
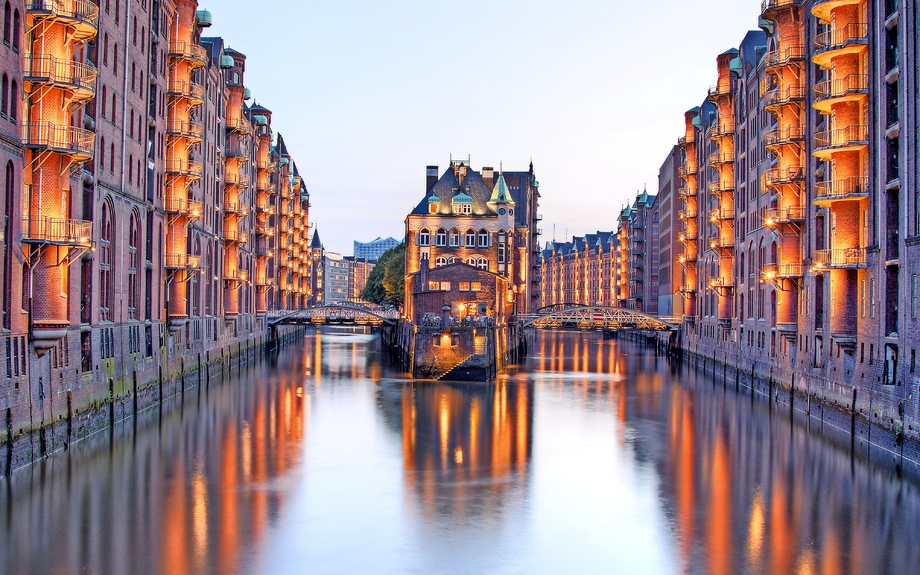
[282, 149]
[256, 108]
[517, 185]
[214, 45]
[753, 47]
[316, 243]
[229, 50]
[447, 187]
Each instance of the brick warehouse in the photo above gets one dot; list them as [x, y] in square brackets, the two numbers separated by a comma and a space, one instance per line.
[152, 217]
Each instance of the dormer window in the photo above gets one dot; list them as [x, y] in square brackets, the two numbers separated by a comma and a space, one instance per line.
[462, 204]
[434, 204]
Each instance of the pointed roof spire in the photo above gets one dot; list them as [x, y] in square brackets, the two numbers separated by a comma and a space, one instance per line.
[315, 242]
[500, 193]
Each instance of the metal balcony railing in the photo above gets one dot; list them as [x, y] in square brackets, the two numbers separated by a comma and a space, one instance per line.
[57, 231]
[719, 214]
[787, 270]
[183, 206]
[236, 208]
[777, 176]
[82, 14]
[265, 230]
[184, 89]
[183, 261]
[783, 56]
[840, 258]
[60, 139]
[722, 243]
[840, 87]
[188, 51]
[236, 236]
[717, 158]
[76, 76]
[852, 33]
[236, 275]
[790, 214]
[266, 166]
[191, 129]
[241, 125]
[688, 139]
[785, 135]
[236, 152]
[721, 283]
[724, 126]
[239, 180]
[767, 6]
[686, 214]
[720, 187]
[853, 187]
[185, 168]
[688, 236]
[788, 95]
[686, 170]
[723, 88]
[854, 135]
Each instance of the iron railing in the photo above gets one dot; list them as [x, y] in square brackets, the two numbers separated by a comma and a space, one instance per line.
[854, 186]
[62, 139]
[57, 71]
[58, 231]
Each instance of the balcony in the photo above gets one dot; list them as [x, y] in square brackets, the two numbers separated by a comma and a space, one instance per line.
[264, 230]
[688, 139]
[782, 271]
[783, 136]
[723, 127]
[236, 275]
[687, 259]
[822, 8]
[236, 153]
[722, 243]
[82, 15]
[77, 77]
[721, 90]
[847, 139]
[782, 176]
[688, 236]
[265, 209]
[194, 54]
[686, 171]
[769, 8]
[241, 125]
[45, 136]
[721, 283]
[192, 130]
[187, 90]
[686, 192]
[850, 88]
[776, 98]
[266, 166]
[236, 236]
[183, 207]
[183, 262]
[850, 39]
[720, 214]
[57, 231]
[720, 187]
[788, 56]
[687, 214]
[236, 180]
[719, 158]
[780, 216]
[840, 258]
[855, 188]
[236, 209]
[184, 168]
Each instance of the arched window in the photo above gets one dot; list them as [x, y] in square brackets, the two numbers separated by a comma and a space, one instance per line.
[133, 285]
[454, 237]
[112, 157]
[470, 261]
[470, 239]
[115, 59]
[106, 263]
[483, 239]
[14, 101]
[209, 284]
[424, 237]
[9, 195]
[105, 49]
[105, 98]
[501, 253]
[440, 239]
[7, 22]
[482, 264]
[130, 169]
[441, 261]
[4, 95]
[17, 25]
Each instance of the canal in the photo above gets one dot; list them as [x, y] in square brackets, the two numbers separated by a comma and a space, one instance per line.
[595, 456]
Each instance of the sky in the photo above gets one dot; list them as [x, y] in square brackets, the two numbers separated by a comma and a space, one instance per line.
[368, 93]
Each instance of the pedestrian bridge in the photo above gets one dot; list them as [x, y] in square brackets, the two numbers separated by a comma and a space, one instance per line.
[579, 316]
[346, 313]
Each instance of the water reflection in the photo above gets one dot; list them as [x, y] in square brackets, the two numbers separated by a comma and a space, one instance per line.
[596, 456]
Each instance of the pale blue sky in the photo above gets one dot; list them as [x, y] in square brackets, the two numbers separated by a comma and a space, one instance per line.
[367, 93]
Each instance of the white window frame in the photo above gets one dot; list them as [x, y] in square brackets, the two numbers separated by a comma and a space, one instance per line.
[424, 237]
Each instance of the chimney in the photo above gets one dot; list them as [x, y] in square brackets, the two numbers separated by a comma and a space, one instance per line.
[488, 175]
[431, 177]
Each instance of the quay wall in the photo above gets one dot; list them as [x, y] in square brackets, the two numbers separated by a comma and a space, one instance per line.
[56, 404]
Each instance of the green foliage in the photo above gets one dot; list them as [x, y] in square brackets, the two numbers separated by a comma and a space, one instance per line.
[387, 280]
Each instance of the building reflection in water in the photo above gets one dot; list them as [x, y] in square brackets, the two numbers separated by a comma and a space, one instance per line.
[185, 499]
[466, 450]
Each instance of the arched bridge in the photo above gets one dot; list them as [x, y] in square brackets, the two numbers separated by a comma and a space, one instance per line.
[578, 316]
[335, 314]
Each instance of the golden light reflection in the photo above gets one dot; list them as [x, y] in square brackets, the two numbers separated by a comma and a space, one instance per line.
[756, 529]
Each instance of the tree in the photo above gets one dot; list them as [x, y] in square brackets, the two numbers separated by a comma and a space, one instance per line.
[386, 281]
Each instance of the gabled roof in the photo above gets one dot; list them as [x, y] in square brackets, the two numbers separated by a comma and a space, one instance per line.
[316, 242]
[447, 187]
[500, 193]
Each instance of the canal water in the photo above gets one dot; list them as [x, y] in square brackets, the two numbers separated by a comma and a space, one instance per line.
[595, 456]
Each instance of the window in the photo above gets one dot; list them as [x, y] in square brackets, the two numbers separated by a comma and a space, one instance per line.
[501, 253]
[115, 60]
[872, 298]
[445, 286]
[482, 264]
[4, 94]
[105, 97]
[133, 286]
[105, 49]
[106, 271]
[424, 237]
[862, 298]
[464, 286]
[475, 286]
[441, 261]
[470, 239]
[7, 23]
[454, 238]
[440, 238]
[14, 101]
[17, 26]
[913, 296]
[9, 198]
[483, 239]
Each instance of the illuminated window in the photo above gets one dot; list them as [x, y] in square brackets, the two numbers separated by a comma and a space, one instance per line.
[482, 264]
[501, 253]
[441, 261]
[445, 286]
[464, 286]
[424, 237]
[475, 286]
[454, 238]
